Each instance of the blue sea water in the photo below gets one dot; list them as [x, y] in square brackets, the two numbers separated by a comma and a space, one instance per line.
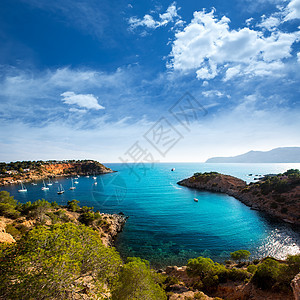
[165, 225]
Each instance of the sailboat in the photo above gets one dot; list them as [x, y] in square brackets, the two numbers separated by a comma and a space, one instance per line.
[60, 190]
[72, 187]
[44, 188]
[94, 177]
[23, 188]
[50, 182]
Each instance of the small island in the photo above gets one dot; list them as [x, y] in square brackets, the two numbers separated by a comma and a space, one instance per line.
[277, 195]
[27, 171]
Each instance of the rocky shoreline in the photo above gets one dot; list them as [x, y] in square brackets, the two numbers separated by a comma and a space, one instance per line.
[282, 205]
[54, 170]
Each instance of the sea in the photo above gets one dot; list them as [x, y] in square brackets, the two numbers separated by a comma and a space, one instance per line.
[165, 225]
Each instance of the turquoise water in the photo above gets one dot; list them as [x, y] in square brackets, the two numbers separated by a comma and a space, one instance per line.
[165, 225]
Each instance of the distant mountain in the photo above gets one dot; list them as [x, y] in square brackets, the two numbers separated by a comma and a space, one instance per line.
[277, 155]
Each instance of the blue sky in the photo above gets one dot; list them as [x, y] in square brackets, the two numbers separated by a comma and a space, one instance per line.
[88, 79]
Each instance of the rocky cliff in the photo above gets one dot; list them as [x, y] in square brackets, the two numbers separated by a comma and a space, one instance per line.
[55, 169]
[278, 196]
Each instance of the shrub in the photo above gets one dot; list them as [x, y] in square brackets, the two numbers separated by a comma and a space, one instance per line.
[13, 231]
[240, 255]
[136, 281]
[47, 263]
[251, 269]
[235, 274]
[267, 274]
[73, 205]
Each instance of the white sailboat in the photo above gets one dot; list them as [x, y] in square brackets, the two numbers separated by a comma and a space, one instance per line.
[60, 190]
[44, 188]
[23, 188]
[72, 187]
[50, 182]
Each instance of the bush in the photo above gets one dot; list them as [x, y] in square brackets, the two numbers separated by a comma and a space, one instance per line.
[251, 269]
[8, 206]
[137, 281]
[267, 274]
[235, 274]
[240, 255]
[13, 231]
[49, 263]
[73, 205]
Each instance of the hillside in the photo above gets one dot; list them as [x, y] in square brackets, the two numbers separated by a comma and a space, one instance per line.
[26, 171]
[277, 195]
[277, 155]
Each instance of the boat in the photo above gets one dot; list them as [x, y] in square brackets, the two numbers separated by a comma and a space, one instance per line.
[72, 187]
[33, 183]
[23, 188]
[50, 182]
[196, 200]
[87, 176]
[76, 182]
[173, 169]
[95, 177]
[60, 190]
[55, 181]
[44, 188]
[95, 183]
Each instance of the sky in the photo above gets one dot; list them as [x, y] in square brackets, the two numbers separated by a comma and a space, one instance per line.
[144, 81]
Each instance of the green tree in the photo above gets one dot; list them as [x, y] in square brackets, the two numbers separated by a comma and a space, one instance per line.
[73, 205]
[240, 255]
[8, 205]
[267, 273]
[49, 263]
[138, 282]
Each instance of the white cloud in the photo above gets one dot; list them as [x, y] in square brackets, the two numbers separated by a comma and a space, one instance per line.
[298, 57]
[171, 15]
[249, 21]
[232, 72]
[270, 23]
[76, 110]
[293, 10]
[213, 93]
[88, 101]
[208, 46]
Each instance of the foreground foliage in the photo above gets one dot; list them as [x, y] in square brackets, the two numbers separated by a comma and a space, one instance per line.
[138, 282]
[49, 263]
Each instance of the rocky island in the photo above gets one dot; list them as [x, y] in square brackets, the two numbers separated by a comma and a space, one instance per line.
[27, 171]
[277, 195]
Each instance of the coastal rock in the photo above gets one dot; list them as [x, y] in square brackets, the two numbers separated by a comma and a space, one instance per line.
[295, 284]
[284, 205]
[57, 169]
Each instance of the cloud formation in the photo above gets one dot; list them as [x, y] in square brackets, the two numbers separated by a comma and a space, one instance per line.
[208, 46]
[88, 101]
[170, 16]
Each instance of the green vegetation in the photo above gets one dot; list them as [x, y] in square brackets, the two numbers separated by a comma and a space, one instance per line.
[240, 255]
[204, 177]
[280, 183]
[62, 259]
[211, 273]
[51, 263]
[269, 274]
[137, 281]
